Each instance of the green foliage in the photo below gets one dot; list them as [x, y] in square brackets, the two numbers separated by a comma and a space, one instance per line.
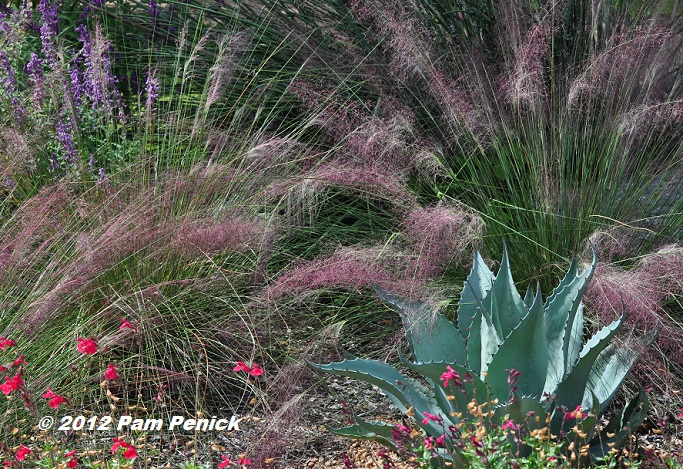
[523, 358]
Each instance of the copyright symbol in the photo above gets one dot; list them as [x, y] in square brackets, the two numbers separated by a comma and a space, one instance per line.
[46, 422]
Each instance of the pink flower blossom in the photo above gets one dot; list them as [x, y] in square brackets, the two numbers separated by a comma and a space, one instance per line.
[73, 460]
[429, 442]
[226, 462]
[241, 367]
[19, 361]
[428, 417]
[450, 375]
[575, 414]
[55, 400]
[256, 371]
[12, 384]
[118, 444]
[4, 342]
[22, 452]
[509, 424]
[130, 452]
[111, 373]
[125, 324]
[243, 460]
[87, 346]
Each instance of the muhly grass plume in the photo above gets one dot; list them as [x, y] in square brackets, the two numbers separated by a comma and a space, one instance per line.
[437, 237]
[441, 235]
[643, 290]
[82, 238]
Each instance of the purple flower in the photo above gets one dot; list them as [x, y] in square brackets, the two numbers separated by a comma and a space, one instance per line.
[153, 9]
[77, 88]
[35, 70]
[63, 133]
[152, 88]
[48, 30]
[102, 178]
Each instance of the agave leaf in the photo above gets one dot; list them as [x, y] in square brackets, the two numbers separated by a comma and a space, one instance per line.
[570, 391]
[576, 338]
[564, 332]
[477, 285]
[525, 350]
[490, 340]
[431, 336]
[611, 367]
[403, 392]
[621, 425]
[503, 300]
[529, 297]
[364, 430]
[474, 343]
[472, 386]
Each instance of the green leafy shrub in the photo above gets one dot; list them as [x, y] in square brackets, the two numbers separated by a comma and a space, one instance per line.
[522, 358]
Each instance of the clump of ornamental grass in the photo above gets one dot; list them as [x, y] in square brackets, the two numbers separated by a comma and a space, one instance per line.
[546, 125]
[645, 285]
[110, 214]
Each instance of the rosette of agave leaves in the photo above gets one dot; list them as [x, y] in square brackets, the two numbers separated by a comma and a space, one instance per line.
[496, 333]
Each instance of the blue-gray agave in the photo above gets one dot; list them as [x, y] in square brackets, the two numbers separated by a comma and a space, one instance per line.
[496, 333]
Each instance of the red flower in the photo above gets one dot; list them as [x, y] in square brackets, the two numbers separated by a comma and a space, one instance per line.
[12, 384]
[575, 414]
[118, 444]
[429, 442]
[509, 424]
[87, 346]
[19, 361]
[6, 343]
[111, 373]
[226, 462]
[125, 324]
[681, 415]
[55, 400]
[241, 367]
[450, 375]
[428, 417]
[256, 371]
[22, 452]
[130, 452]
[243, 460]
[73, 461]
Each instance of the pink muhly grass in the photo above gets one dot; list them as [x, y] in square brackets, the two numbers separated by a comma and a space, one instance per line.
[345, 268]
[373, 181]
[525, 85]
[350, 268]
[440, 235]
[407, 41]
[460, 114]
[19, 158]
[302, 193]
[208, 237]
[634, 64]
[36, 224]
[644, 289]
